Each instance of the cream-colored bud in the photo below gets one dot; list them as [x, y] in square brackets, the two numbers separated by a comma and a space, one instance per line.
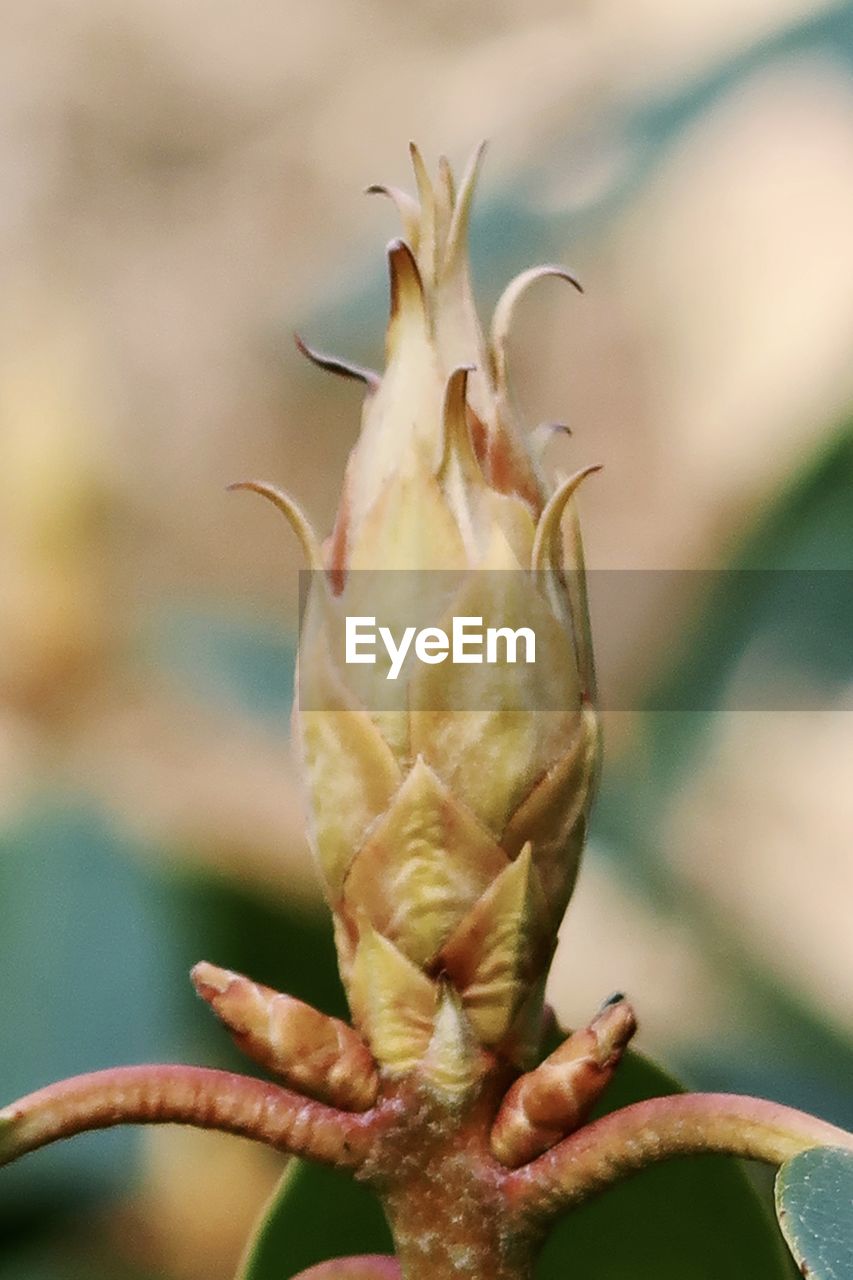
[448, 814]
[453, 1062]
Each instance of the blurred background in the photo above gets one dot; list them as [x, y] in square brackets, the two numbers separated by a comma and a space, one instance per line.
[180, 190]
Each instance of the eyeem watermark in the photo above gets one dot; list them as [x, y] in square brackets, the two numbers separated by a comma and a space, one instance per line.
[392, 640]
[469, 641]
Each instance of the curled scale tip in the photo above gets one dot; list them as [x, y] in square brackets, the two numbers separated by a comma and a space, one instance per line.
[542, 557]
[407, 207]
[333, 364]
[545, 433]
[407, 289]
[505, 310]
[294, 515]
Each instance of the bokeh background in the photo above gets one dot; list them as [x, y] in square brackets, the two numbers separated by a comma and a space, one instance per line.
[180, 190]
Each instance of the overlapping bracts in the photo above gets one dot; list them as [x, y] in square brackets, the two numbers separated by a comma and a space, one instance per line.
[447, 826]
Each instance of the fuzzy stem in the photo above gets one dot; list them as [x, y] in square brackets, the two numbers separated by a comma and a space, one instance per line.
[158, 1094]
[441, 1188]
[619, 1144]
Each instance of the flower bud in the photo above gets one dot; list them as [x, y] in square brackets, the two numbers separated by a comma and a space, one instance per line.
[448, 820]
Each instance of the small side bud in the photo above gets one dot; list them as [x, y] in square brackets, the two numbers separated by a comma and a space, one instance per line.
[547, 1104]
[319, 1055]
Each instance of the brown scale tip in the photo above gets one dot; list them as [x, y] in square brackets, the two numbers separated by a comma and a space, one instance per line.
[334, 364]
[407, 290]
[616, 998]
[407, 207]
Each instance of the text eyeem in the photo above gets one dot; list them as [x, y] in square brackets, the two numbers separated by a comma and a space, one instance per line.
[469, 642]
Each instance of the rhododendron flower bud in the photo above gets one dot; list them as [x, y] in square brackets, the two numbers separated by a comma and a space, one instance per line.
[448, 800]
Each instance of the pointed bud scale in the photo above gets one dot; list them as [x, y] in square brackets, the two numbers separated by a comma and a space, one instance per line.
[499, 948]
[552, 817]
[423, 866]
[453, 1062]
[428, 247]
[319, 1055]
[354, 775]
[447, 820]
[392, 1001]
[547, 1104]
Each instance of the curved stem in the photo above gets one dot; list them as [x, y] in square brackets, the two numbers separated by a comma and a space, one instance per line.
[373, 1266]
[625, 1141]
[160, 1094]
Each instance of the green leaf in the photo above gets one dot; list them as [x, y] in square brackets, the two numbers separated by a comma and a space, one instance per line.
[692, 1219]
[788, 598]
[285, 944]
[786, 595]
[223, 659]
[86, 970]
[314, 1214]
[48, 1255]
[814, 1204]
[698, 1219]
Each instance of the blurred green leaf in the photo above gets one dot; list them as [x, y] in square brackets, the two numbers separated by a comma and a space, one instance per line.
[50, 1256]
[85, 980]
[629, 136]
[693, 1219]
[814, 1202]
[665, 1222]
[804, 535]
[286, 944]
[788, 592]
[315, 1214]
[225, 659]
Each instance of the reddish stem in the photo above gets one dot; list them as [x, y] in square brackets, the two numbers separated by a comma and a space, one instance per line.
[159, 1094]
[372, 1266]
[625, 1141]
